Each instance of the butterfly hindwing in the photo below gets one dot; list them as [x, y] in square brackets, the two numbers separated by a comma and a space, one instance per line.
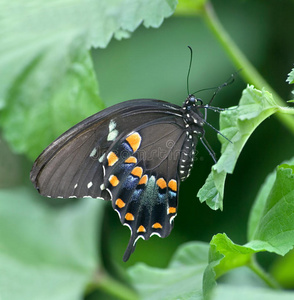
[141, 175]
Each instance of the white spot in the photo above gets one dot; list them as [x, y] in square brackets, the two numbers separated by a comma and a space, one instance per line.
[89, 184]
[190, 136]
[112, 125]
[188, 115]
[93, 153]
[101, 157]
[102, 187]
[60, 197]
[112, 135]
[76, 185]
[72, 197]
[182, 172]
[185, 153]
[87, 196]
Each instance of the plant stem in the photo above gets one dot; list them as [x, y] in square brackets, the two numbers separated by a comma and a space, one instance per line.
[249, 73]
[104, 282]
[254, 266]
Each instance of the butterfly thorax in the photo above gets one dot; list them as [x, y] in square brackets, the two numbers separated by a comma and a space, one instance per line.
[193, 119]
[192, 115]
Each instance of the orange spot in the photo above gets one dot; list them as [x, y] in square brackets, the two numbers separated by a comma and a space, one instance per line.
[143, 180]
[172, 210]
[129, 217]
[119, 203]
[137, 171]
[131, 160]
[141, 229]
[113, 180]
[157, 226]
[172, 184]
[161, 183]
[134, 141]
[112, 158]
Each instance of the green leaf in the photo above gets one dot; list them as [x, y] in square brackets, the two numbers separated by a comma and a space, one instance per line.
[234, 255]
[43, 102]
[271, 229]
[49, 252]
[237, 124]
[258, 207]
[290, 78]
[47, 79]
[275, 230]
[181, 280]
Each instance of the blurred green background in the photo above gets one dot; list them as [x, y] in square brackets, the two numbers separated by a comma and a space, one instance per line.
[153, 63]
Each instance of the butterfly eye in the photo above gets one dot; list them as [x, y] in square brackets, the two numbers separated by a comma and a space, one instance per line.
[192, 99]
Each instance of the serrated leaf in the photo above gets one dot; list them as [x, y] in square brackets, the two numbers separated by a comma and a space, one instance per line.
[46, 252]
[237, 124]
[47, 79]
[181, 280]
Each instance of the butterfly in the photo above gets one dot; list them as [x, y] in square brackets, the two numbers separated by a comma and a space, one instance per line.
[134, 154]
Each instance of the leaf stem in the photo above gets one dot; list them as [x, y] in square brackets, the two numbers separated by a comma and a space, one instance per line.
[109, 285]
[249, 73]
[254, 266]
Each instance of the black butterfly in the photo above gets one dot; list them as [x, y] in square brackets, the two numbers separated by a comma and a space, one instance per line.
[135, 154]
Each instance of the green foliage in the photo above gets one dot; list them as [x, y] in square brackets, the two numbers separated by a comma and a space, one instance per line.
[45, 253]
[189, 261]
[52, 250]
[51, 80]
[237, 124]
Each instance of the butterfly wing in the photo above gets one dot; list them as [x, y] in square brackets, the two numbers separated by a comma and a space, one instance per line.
[62, 168]
[129, 154]
[141, 176]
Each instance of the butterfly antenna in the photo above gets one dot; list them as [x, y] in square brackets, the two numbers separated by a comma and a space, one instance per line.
[229, 81]
[189, 69]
